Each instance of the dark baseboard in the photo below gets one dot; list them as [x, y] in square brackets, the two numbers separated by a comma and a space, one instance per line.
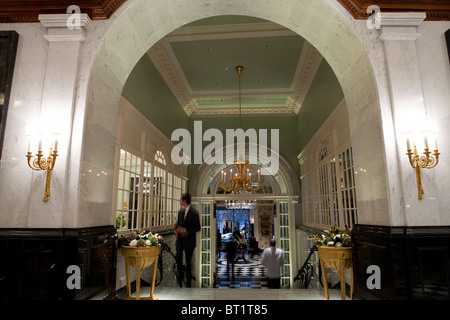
[414, 262]
[35, 261]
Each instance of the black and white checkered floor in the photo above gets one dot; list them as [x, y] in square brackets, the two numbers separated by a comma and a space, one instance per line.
[248, 273]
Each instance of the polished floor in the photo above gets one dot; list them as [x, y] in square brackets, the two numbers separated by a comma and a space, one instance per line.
[249, 283]
[176, 293]
[248, 273]
[244, 294]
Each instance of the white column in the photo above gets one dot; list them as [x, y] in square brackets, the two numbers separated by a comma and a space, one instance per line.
[399, 32]
[57, 105]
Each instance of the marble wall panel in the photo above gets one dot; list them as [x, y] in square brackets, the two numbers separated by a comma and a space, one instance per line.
[231, 7]
[186, 11]
[122, 48]
[151, 21]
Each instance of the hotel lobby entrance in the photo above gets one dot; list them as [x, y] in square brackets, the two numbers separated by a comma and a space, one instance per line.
[242, 228]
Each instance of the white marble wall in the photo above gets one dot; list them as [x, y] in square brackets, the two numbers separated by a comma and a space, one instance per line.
[112, 48]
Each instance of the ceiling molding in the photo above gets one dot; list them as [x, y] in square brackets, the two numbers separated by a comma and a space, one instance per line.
[309, 63]
[29, 10]
[436, 10]
[166, 62]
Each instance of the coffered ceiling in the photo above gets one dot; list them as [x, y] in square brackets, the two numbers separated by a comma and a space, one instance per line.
[198, 64]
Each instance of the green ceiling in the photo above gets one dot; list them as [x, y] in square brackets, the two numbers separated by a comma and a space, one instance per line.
[269, 62]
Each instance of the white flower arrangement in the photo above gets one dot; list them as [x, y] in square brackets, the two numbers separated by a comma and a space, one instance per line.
[334, 237]
[140, 238]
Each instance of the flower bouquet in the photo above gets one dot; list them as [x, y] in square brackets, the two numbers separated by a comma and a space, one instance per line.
[140, 238]
[334, 237]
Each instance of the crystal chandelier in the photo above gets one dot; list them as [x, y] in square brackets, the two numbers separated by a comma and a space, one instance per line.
[242, 179]
[240, 204]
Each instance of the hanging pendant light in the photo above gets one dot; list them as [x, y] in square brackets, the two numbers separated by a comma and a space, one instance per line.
[240, 181]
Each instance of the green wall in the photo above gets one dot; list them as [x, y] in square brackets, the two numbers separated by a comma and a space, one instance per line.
[323, 97]
[147, 91]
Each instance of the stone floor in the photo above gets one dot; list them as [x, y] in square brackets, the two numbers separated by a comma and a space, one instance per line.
[175, 293]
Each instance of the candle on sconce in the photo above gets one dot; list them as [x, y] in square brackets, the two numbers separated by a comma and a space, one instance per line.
[29, 148]
[222, 176]
[425, 142]
[56, 144]
[408, 144]
[259, 177]
[435, 144]
[40, 145]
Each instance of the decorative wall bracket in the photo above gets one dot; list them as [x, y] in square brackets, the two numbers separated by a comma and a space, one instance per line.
[39, 163]
[425, 161]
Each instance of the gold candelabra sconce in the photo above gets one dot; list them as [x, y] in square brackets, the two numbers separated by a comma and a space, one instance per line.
[39, 162]
[427, 160]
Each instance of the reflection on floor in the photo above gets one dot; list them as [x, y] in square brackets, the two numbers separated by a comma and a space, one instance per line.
[176, 293]
[248, 273]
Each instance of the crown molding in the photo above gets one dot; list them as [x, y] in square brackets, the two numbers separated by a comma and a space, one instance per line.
[436, 10]
[165, 61]
[29, 10]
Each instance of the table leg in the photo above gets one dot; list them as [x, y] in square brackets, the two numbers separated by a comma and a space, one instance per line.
[138, 283]
[342, 276]
[324, 279]
[352, 284]
[127, 272]
[155, 269]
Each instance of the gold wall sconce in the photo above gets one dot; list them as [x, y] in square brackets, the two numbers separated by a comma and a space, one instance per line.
[47, 135]
[426, 161]
[39, 162]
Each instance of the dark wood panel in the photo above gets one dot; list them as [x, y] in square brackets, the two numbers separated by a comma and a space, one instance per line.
[8, 48]
[414, 262]
[35, 261]
[447, 38]
[29, 10]
[435, 9]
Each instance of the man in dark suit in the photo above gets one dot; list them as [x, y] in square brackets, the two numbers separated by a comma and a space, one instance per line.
[187, 226]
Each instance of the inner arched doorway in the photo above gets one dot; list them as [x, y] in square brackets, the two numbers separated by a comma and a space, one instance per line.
[274, 214]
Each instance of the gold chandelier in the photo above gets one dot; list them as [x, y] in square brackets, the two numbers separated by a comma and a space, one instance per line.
[242, 179]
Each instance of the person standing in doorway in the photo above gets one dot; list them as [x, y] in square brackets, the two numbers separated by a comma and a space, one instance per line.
[188, 224]
[231, 249]
[272, 259]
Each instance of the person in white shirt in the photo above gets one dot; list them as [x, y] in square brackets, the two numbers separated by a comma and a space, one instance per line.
[272, 260]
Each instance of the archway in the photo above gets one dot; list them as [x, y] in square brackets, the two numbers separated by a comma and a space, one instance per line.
[141, 24]
[274, 216]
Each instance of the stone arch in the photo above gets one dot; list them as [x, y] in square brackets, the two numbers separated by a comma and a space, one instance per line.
[142, 23]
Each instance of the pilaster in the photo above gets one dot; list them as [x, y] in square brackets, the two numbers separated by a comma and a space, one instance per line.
[65, 34]
[399, 32]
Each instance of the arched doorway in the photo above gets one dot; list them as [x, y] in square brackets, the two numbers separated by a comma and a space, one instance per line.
[140, 24]
[274, 215]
